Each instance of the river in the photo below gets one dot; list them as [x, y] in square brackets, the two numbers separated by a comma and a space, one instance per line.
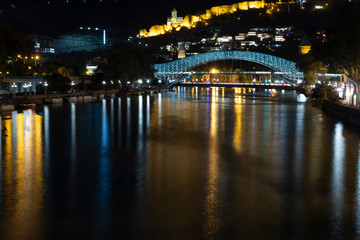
[198, 163]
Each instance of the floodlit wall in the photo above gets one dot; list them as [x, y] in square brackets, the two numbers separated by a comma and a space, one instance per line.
[191, 20]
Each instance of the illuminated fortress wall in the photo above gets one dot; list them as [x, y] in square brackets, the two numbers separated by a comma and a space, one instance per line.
[191, 20]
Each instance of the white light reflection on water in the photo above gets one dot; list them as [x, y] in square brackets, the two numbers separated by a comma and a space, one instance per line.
[300, 112]
[128, 122]
[337, 179]
[119, 128]
[140, 144]
[112, 119]
[159, 110]
[73, 138]
[148, 114]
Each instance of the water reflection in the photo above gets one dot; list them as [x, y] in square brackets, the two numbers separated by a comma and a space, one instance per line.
[211, 227]
[337, 179]
[200, 163]
[104, 177]
[23, 175]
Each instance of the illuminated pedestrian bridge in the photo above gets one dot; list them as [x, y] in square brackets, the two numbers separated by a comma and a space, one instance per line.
[282, 68]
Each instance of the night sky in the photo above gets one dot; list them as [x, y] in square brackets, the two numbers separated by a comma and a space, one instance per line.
[124, 17]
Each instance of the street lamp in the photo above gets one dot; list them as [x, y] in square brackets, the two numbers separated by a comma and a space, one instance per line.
[120, 86]
[46, 85]
[25, 86]
[112, 83]
[159, 81]
[29, 85]
[37, 57]
[72, 85]
[104, 83]
[14, 86]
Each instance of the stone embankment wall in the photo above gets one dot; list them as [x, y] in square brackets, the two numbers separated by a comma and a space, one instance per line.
[342, 112]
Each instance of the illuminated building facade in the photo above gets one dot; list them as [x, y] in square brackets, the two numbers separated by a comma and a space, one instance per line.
[174, 19]
[304, 46]
[190, 21]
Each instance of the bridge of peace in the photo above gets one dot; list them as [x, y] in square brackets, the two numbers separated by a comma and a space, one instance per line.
[280, 68]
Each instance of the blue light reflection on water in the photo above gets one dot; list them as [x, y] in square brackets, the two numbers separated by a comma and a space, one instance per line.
[104, 188]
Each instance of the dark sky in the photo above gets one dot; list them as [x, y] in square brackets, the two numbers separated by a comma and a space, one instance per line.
[37, 16]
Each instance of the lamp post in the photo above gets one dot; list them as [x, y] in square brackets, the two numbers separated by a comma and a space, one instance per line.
[46, 85]
[104, 83]
[29, 85]
[37, 57]
[120, 87]
[112, 83]
[72, 86]
[25, 86]
[14, 86]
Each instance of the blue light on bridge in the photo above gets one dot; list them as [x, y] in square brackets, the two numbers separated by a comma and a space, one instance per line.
[283, 69]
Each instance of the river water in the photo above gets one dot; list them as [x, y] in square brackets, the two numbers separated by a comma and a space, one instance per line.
[198, 163]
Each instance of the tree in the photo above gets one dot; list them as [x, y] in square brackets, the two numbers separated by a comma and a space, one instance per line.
[13, 43]
[342, 47]
[57, 82]
[128, 65]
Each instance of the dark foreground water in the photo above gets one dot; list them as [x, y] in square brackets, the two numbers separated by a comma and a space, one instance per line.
[194, 164]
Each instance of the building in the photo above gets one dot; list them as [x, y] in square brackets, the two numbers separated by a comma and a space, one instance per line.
[174, 19]
[181, 52]
[305, 45]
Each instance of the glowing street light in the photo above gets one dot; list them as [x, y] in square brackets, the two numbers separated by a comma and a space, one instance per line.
[140, 81]
[104, 83]
[25, 86]
[46, 85]
[159, 81]
[14, 86]
[29, 85]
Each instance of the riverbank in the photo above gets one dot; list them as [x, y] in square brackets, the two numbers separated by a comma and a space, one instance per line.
[10, 104]
[342, 112]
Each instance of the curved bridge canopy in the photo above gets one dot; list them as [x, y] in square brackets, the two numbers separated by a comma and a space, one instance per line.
[287, 69]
